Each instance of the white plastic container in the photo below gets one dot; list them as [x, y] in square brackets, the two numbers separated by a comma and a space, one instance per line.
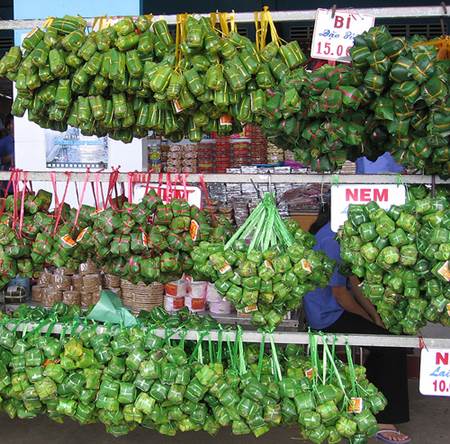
[195, 305]
[197, 289]
[222, 307]
[176, 288]
[173, 304]
[212, 295]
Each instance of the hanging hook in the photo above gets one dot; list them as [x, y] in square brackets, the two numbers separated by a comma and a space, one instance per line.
[333, 11]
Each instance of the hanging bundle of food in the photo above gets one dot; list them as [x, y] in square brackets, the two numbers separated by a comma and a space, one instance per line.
[131, 77]
[266, 267]
[402, 257]
[149, 241]
[125, 378]
[407, 87]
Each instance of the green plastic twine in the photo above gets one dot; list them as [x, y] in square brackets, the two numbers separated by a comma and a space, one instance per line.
[275, 361]
[261, 355]
[338, 377]
[324, 359]
[314, 357]
[219, 345]
[240, 343]
[210, 349]
[231, 353]
[351, 369]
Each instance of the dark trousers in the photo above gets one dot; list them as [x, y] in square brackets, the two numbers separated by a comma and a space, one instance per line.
[386, 367]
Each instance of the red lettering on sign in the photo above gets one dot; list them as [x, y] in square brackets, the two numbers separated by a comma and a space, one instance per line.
[351, 194]
[364, 195]
[442, 358]
[380, 195]
[338, 21]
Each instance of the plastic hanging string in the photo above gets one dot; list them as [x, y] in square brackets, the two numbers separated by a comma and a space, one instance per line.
[351, 369]
[261, 356]
[275, 361]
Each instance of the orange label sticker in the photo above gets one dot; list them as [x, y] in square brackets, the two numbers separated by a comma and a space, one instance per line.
[178, 303]
[145, 239]
[178, 108]
[444, 271]
[197, 303]
[67, 240]
[81, 234]
[225, 268]
[306, 265]
[50, 361]
[194, 229]
[251, 308]
[356, 405]
[309, 373]
[225, 120]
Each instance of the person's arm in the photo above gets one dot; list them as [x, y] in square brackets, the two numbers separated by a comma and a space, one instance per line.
[338, 282]
[364, 302]
[346, 300]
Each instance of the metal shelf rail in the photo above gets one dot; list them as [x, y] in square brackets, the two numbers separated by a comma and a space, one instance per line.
[278, 16]
[256, 178]
[281, 337]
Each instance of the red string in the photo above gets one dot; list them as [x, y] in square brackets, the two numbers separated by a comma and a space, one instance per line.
[22, 204]
[11, 177]
[16, 197]
[80, 203]
[130, 187]
[55, 189]
[147, 182]
[112, 185]
[61, 204]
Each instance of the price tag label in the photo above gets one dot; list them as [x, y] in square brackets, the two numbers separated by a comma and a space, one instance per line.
[333, 36]
[344, 195]
[435, 372]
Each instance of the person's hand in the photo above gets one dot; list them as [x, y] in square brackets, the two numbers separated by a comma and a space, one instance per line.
[378, 321]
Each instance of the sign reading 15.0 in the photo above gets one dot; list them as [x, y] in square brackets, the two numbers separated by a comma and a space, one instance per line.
[435, 372]
[334, 33]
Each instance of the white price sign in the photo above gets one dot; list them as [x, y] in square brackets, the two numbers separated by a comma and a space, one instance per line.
[333, 35]
[435, 372]
[344, 195]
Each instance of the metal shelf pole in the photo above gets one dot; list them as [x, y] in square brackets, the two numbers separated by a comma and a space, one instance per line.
[257, 178]
[281, 337]
[278, 16]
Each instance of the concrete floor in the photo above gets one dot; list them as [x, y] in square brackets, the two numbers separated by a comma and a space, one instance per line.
[429, 425]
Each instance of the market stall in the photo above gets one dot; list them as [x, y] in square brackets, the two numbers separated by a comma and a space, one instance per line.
[94, 361]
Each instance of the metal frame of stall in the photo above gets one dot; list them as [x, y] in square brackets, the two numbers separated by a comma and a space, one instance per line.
[439, 12]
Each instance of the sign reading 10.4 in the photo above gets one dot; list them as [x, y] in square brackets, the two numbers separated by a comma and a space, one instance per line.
[334, 33]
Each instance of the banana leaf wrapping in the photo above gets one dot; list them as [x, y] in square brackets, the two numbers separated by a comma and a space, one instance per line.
[398, 268]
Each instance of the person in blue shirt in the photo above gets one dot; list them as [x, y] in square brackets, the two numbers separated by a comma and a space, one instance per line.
[384, 164]
[342, 308]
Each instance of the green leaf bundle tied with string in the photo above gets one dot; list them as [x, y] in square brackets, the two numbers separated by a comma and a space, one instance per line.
[266, 267]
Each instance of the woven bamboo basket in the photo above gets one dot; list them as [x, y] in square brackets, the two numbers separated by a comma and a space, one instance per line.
[111, 281]
[37, 292]
[50, 296]
[77, 282]
[88, 267]
[86, 299]
[72, 297]
[142, 297]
